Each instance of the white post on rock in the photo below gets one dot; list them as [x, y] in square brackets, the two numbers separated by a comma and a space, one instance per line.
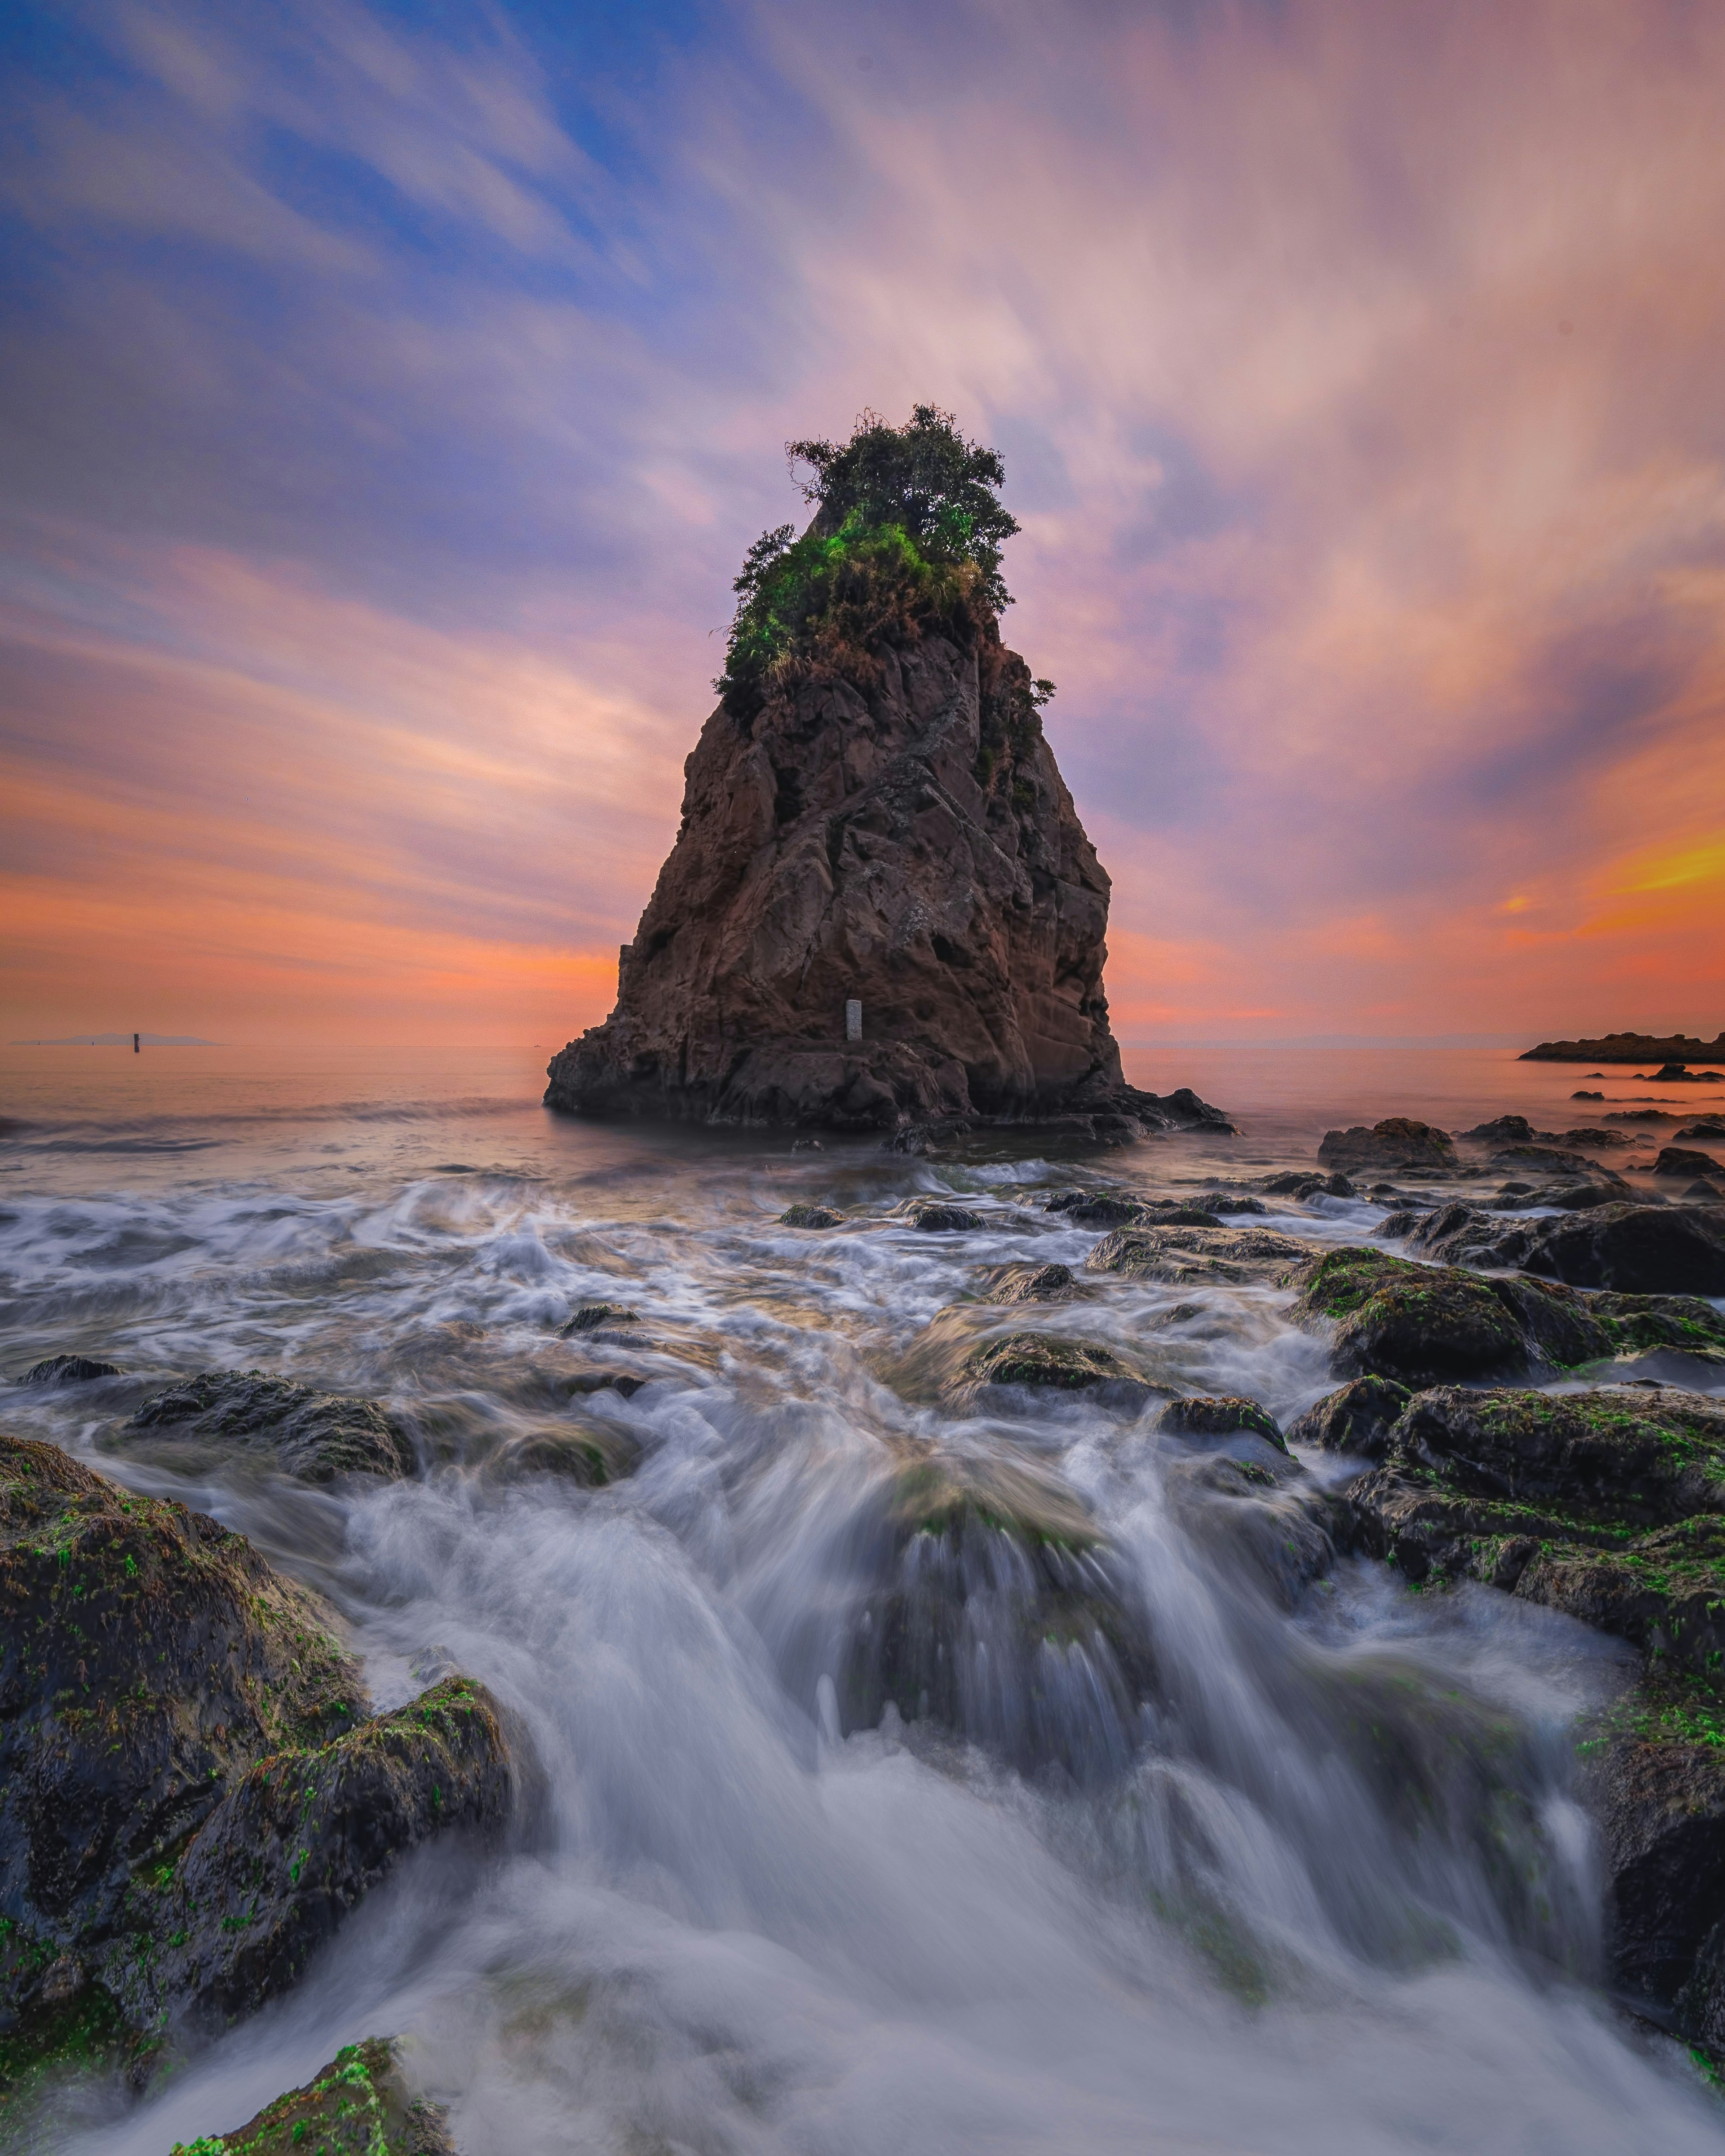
[853, 1018]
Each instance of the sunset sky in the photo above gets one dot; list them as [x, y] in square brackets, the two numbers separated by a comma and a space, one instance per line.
[388, 395]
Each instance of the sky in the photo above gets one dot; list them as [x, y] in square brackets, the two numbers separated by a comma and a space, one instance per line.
[388, 394]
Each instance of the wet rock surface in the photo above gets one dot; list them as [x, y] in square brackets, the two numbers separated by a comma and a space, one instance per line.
[1044, 1362]
[1431, 1324]
[997, 1610]
[191, 1791]
[1029, 1283]
[810, 1216]
[313, 1435]
[1189, 1254]
[357, 2105]
[68, 1370]
[1357, 1417]
[1608, 1506]
[936, 1219]
[1637, 1249]
[1219, 1415]
[1399, 1141]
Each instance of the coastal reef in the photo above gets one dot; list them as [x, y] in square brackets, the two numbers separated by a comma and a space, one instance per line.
[882, 908]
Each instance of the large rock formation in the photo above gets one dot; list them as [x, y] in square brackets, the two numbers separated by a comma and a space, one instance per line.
[885, 827]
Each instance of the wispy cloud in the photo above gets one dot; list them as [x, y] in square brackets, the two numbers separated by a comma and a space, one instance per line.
[390, 400]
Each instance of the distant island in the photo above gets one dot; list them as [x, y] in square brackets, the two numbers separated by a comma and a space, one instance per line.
[1629, 1048]
[119, 1040]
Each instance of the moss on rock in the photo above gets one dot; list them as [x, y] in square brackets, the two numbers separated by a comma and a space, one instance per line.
[356, 2106]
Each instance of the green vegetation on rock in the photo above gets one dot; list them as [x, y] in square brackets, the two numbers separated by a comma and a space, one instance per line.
[908, 523]
[356, 2105]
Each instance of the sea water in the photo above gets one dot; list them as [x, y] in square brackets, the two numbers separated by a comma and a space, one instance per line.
[728, 1921]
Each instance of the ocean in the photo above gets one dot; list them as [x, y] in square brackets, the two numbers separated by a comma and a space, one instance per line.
[735, 1918]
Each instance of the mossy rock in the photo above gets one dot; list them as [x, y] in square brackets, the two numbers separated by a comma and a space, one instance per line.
[1096, 1209]
[1190, 1255]
[154, 1671]
[995, 1608]
[356, 2106]
[596, 1317]
[1357, 1417]
[592, 1458]
[1628, 1247]
[312, 1435]
[1029, 1283]
[1224, 1416]
[944, 1218]
[1044, 1362]
[810, 1216]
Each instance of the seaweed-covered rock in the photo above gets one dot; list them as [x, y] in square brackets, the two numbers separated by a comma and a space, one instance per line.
[944, 1219]
[1029, 1283]
[1041, 1362]
[152, 1666]
[314, 1436]
[358, 2105]
[302, 1836]
[1398, 1142]
[992, 1605]
[597, 1318]
[1356, 1418]
[1637, 1249]
[810, 1216]
[68, 1370]
[1203, 1416]
[1188, 1255]
[1423, 1324]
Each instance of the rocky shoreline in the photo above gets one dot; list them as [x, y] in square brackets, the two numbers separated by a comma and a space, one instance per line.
[1528, 1399]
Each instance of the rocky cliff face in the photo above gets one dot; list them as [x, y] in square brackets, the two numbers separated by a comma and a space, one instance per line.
[887, 828]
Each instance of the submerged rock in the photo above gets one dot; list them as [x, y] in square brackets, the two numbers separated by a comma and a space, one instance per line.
[68, 1370]
[313, 1435]
[597, 1318]
[154, 1674]
[997, 1611]
[1356, 1418]
[944, 1219]
[356, 2105]
[1398, 1142]
[1302, 1184]
[1191, 1254]
[810, 1216]
[1042, 1361]
[1637, 1249]
[1029, 1283]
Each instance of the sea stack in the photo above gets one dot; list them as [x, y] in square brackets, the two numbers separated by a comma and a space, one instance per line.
[881, 908]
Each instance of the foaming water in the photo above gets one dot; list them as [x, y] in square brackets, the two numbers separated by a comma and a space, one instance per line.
[1179, 1837]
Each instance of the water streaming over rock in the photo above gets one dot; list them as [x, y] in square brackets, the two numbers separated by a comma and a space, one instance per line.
[913, 1768]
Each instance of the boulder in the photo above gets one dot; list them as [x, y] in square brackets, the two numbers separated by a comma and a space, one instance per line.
[1209, 1415]
[1585, 1096]
[1029, 1283]
[68, 1370]
[1701, 1192]
[810, 1216]
[878, 820]
[1707, 1126]
[1042, 1361]
[1683, 1160]
[1188, 1255]
[191, 1789]
[1357, 1418]
[1398, 1142]
[1096, 1209]
[358, 2105]
[1637, 1249]
[942, 1219]
[314, 1436]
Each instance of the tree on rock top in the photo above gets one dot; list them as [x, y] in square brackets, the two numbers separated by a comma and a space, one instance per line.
[907, 514]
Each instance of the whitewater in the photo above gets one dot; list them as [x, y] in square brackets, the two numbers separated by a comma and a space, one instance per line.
[730, 1919]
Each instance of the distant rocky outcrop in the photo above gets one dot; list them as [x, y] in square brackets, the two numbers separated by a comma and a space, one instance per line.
[881, 908]
[1629, 1048]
